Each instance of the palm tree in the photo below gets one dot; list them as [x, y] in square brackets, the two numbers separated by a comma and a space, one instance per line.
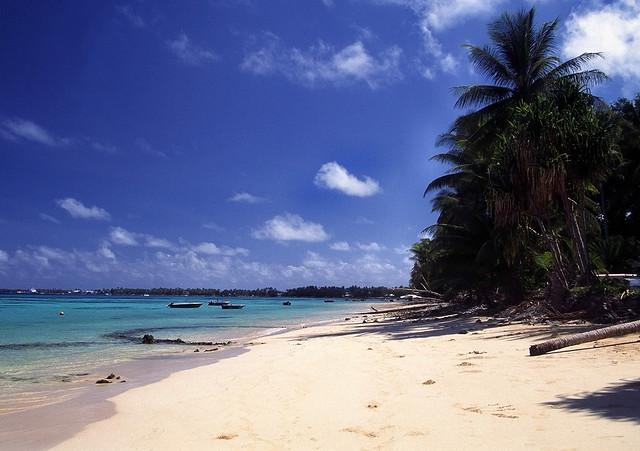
[521, 63]
[523, 67]
[422, 263]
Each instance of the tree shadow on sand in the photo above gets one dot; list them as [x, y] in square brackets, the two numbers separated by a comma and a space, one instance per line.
[404, 329]
[618, 402]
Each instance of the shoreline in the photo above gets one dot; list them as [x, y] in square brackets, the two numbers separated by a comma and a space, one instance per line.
[390, 384]
[83, 401]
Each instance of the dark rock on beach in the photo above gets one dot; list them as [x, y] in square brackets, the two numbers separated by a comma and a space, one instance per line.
[109, 379]
[149, 339]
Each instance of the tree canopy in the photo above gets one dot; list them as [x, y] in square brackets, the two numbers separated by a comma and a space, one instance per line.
[540, 170]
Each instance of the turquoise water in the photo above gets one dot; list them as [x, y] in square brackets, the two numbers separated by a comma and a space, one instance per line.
[38, 345]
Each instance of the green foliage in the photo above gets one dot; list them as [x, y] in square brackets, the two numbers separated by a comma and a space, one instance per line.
[616, 254]
[516, 208]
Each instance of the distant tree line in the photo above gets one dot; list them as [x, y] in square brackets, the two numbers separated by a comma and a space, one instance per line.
[311, 291]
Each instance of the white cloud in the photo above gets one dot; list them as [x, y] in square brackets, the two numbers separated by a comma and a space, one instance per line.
[213, 226]
[123, 237]
[211, 249]
[333, 176]
[147, 147]
[324, 64]
[19, 130]
[291, 227]
[77, 210]
[246, 198]
[46, 217]
[152, 241]
[4, 256]
[107, 148]
[614, 30]
[371, 247]
[132, 17]
[436, 16]
[189, 53]
[340, 246]
[22, 130]
[106, 252]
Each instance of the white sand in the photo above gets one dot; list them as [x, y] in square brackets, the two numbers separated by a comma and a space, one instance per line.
[389, 385]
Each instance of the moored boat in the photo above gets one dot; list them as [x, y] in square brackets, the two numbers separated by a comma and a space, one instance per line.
[185, 304]
[219, 302]
[232, 306]
[286, 303]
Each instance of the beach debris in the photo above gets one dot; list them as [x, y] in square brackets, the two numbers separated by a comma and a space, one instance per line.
[463, 331]
[226, 436]
[429, 382]
[584, 337]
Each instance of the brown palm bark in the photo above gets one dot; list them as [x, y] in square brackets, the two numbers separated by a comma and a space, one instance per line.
[584, 337]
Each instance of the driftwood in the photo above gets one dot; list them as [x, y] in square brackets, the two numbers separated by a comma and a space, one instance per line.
[584, 337]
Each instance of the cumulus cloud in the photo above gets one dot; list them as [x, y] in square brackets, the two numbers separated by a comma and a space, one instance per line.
[614, 30]
[23, 130]
[340, 246]
[324, 64]
[246, 198]
[77, 210]
[291, 227]
[190, 53]
[4, 256]
[333, 176]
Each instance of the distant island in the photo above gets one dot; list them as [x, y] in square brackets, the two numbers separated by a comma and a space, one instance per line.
[311, 291]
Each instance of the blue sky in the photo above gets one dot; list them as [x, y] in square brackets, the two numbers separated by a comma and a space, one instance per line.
[242, 143]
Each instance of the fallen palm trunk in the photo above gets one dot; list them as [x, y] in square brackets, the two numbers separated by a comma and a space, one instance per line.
[584, 337]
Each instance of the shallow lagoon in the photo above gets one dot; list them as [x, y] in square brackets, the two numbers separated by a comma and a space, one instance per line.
[39, 346]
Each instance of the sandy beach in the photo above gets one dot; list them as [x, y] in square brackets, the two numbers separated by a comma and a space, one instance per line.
[459, 383]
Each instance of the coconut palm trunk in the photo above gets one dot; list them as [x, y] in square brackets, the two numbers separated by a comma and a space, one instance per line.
[585, 337]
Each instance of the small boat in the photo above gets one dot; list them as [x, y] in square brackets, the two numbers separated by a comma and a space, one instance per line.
[329, 300]
[185, 304]
[286, 303]
[232, 306]
[219, 302]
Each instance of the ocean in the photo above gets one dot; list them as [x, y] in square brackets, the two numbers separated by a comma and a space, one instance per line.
[57, 340]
